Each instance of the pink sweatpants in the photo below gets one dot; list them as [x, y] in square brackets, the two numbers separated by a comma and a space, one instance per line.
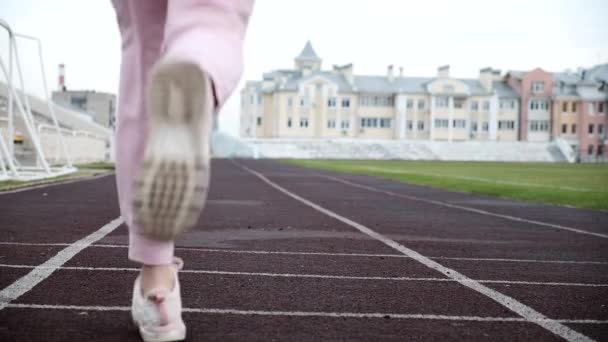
[207, 32]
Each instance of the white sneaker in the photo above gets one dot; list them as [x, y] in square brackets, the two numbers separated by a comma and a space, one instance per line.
[171, 187]
[158, 313]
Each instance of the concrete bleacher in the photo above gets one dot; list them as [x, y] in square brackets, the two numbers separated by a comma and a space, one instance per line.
[386, 149]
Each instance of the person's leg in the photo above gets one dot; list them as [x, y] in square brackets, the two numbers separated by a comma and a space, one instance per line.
[209, 33]
[141, 25]
[200, 66]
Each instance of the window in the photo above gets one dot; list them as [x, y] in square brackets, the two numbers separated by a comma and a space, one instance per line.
[421, 104]
[442, 123]
[590, 150]
[344, 124]
[385, 123]
[573, 128]
[290, 102]
[474, 126]
[539, 125]
[538, 87]
[448, 88]
[251, 99]
[259, 121]
[410, 104]
[507, 104]
[376, 122]
[80, 101]
[288, 122]
[600, 129]
[302, 102]
[458, 103]
[506, 125]
[485, 126]
[377, 101]
[564, 128]
[486, 105]
[591, 128]
[331, 123]
[539, 105]
[369, 122]
[421, 125]
[441, 102]
[600, 109]
[600, 150]
[346, 102]
[410, 125]
[331, 102]
[591, 108]
[574, 107]
[459, 123]
[303, 122]
[474, 106]
[564, 107]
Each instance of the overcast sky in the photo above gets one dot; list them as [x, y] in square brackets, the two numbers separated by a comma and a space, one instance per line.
[418, 35]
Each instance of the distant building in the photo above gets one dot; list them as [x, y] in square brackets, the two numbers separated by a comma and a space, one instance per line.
[309, 102]
[534, 106]
[100, 106]
[580, 108]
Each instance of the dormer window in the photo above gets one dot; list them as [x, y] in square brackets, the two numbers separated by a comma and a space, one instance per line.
[538, 87]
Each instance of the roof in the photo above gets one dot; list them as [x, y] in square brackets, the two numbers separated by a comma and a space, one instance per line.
[504, 90]
[308, 53]
[597, 73]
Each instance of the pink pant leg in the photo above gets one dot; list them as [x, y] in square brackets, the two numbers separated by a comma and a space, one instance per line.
[141, 26]
[209, 33]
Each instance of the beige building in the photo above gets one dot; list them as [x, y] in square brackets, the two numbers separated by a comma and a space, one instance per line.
[309, 102]
[100, 106]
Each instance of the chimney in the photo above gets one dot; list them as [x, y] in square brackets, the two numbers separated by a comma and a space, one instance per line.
[61, 78]
[400, 71]
[346, 71]
[486, 78]
[443, 71]
[389, 73]
[496, 75]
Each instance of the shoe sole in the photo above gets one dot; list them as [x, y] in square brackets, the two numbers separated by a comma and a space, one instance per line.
[177, 334]
[171, 187]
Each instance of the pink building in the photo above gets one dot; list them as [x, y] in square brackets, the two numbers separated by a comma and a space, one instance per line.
[580, 112]
[535, 89]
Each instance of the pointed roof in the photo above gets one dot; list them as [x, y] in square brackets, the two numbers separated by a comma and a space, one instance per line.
[308, 53]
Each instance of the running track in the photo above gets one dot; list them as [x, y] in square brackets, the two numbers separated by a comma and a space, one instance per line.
[292, 254]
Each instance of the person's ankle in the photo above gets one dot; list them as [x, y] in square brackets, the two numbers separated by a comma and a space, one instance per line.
[157, 277]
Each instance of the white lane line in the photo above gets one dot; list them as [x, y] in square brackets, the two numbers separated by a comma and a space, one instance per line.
[308, 314]
[521, 309]
[317, 276]
[365, 255]
[465, 208]
[52, 183]
[41, 272]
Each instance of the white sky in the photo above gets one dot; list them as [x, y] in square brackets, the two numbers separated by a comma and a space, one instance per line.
[418, 35]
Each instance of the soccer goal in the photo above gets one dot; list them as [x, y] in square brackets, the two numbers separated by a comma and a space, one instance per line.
[16, 106]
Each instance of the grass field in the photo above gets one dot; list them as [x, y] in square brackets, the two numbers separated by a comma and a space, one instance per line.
[579, 185]
[84, 170]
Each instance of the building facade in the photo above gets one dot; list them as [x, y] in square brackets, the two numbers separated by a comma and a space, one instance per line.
[580, 107]
[100, 106]
[310, 102]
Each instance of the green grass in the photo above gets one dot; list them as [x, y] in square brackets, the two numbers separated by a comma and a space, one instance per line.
[84, 171]
[579, 185]
[96, 166]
